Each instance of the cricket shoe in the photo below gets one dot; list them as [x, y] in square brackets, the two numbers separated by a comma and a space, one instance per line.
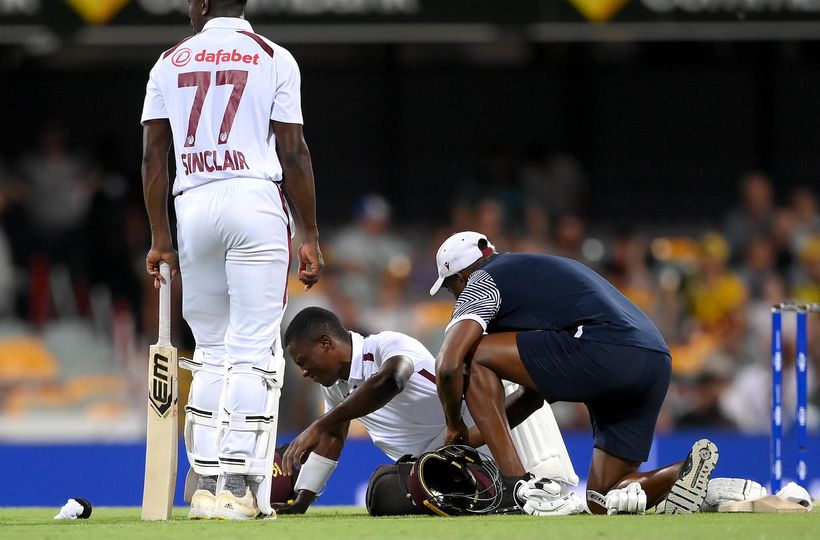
[203, 503]
[229, 506]
[689, 490]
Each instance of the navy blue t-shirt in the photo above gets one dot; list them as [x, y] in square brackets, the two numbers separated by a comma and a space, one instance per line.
[514, 292]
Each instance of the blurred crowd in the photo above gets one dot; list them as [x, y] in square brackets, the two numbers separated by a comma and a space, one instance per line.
[74, 237]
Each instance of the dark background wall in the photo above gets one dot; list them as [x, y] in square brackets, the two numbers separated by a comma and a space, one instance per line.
[663, 130]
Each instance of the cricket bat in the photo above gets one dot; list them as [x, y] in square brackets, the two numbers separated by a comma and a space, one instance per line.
[769, 504]
[161, 439]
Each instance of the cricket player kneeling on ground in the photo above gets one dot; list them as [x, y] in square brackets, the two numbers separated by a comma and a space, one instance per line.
[563, 333]
[386, 380]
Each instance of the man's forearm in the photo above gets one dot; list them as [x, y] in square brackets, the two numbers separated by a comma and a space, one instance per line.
[155, 191]
[450, 393]
[332, 443]
[458, 341]
[369, 397]
[156, 144]
[301, 191]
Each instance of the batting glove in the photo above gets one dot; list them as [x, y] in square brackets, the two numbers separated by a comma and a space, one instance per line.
[545, 497]
[724, 490]
[629, 500]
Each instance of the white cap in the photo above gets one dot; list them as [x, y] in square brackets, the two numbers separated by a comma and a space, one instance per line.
[457, 253]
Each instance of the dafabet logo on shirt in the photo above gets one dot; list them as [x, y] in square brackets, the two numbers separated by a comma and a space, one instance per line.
[97, 11]
[181, 57]
[221, 57]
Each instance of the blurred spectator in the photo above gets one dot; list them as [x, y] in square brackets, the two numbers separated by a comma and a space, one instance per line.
[758, 265]
[628, 270]
[803, 206]
[115, 229]
[367, 251]
[670, 311]
[809, 290]
[704, 393]
[556, 182]
[715, 291]
[568, 236]
[754, 217]
[59, 185]
[494, 178]
[491, 219]
[535, 235]
[782, 239]
[392, 310]
[423, 271]
[462, 216]
[747, 400]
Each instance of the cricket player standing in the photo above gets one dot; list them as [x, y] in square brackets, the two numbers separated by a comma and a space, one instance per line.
[229, 102]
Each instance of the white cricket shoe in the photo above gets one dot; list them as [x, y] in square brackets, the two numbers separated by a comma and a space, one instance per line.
[203, 503]
[228, 506]
[689, 491]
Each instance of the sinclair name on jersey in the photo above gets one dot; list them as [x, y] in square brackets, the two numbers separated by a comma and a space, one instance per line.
[213, 160]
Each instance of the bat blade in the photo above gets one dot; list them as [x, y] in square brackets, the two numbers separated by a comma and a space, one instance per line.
[161, 441]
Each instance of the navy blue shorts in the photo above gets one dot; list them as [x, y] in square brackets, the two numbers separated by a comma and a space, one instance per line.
[622, 386]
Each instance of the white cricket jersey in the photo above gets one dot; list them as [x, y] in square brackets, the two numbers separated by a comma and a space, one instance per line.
[220, 89]
[413, 421]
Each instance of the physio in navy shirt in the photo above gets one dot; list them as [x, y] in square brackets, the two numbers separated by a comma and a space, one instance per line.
[563, 333]
[514, 292]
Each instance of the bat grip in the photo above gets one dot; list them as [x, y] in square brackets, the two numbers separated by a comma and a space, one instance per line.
[164, 305]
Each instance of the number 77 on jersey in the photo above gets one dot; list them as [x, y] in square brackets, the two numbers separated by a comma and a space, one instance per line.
[213, 160]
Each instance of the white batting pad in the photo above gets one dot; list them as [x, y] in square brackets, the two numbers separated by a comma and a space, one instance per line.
[201, 413]
[541, 446]
[249, 416]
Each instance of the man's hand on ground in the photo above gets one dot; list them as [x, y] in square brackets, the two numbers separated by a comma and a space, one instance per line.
[297, 506]
[628, 500]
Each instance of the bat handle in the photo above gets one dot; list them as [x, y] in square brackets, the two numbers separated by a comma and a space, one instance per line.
[164, 305]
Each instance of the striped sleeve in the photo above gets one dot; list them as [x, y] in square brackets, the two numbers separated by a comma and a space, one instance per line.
[479, 301]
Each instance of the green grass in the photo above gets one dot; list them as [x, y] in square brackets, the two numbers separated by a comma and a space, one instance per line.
[342, 523]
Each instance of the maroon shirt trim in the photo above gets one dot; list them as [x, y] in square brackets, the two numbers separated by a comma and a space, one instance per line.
[175, 47]
[427, 375]
[258, 39]
[290, 253]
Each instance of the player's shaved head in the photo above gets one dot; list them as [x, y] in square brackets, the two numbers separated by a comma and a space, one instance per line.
[201, 11]
[312, 323]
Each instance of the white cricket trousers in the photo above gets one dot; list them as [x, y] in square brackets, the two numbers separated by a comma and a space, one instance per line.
[234, 254]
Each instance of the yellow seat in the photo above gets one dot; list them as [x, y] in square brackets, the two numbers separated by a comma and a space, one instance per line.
[24, 359]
